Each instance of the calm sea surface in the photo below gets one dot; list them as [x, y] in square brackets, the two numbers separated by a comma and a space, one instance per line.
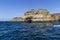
[29, 31]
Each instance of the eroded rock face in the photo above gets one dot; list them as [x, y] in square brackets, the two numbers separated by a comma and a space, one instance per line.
[56, 16]
[39, 15]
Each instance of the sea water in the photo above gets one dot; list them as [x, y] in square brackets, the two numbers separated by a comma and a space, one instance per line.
[29, 31]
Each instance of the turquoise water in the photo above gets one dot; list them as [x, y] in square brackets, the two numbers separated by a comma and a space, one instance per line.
[29, 31]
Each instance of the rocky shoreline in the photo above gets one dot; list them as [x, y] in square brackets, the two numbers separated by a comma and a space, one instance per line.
[40, 15]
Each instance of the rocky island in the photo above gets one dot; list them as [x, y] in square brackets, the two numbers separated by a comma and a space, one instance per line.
[39, 15]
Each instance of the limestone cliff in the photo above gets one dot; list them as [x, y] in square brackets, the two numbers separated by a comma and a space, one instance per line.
[38, 15]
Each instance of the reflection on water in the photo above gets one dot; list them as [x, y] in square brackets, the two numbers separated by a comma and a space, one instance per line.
[40, 24]
[29, 31]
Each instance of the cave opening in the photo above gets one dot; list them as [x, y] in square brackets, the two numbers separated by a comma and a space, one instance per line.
[28, 19]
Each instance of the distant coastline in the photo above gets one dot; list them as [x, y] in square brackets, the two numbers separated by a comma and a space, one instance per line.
[40, 15]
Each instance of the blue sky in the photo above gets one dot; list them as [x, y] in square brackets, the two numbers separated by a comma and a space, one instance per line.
[16, 8]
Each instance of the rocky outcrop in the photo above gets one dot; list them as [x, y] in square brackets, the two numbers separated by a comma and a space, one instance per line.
[18, 19]
[56, 16]
[38, 15]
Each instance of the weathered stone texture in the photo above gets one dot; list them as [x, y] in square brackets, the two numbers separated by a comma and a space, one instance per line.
[39, 15]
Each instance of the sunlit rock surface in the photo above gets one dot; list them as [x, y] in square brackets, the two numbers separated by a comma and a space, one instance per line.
[38, 15]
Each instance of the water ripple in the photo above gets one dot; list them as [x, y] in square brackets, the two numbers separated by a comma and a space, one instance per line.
[29, 31]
